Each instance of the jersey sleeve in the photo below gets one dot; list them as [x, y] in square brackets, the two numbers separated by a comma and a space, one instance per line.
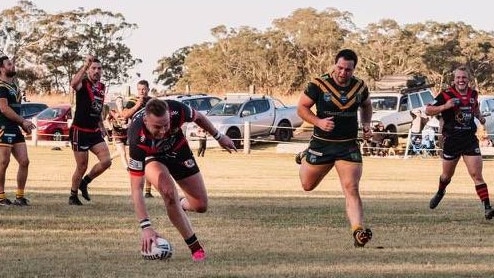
[4, 92]
[312, 91]
[137, 155]
[439, 100]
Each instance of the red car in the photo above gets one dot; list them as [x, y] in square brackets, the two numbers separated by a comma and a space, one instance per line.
[53, 123]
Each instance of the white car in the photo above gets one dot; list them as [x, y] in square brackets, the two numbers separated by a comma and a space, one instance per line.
[486, 104]
[392, 109]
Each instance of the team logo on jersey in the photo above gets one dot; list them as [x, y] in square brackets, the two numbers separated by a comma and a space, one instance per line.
[189, 163]
[343, 98]
[327, 97]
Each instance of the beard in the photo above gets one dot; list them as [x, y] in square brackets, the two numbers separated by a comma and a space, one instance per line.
[10, 74]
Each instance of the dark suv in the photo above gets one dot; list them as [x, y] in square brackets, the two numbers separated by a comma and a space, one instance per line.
[31, 109]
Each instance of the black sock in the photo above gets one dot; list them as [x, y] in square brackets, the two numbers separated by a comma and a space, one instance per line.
[193, 243]
[443, 184]
[87, 179]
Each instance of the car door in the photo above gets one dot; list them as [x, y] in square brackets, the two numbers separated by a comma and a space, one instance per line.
[257, 112]
[487, 110]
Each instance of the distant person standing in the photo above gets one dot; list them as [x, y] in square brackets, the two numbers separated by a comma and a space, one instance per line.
[458, 106]
[87, 129]
[203, 138]
[131, 108]
[338, 97]
[12, 140]
[119, 130]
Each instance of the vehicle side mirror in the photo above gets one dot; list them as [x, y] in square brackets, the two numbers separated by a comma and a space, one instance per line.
[245, 113]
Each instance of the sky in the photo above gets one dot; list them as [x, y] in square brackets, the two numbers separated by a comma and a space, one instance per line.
[166, 26]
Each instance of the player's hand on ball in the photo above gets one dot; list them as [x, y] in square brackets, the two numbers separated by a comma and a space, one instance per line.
[148, 236]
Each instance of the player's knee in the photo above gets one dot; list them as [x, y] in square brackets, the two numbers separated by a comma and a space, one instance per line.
[24, 163]
[201, 206]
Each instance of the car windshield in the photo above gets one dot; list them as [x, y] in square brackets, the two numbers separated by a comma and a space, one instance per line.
[380, 103]
[49, 113]
[224, 109]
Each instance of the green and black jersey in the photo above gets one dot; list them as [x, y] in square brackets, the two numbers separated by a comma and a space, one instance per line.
[341, 103]
[10, 91]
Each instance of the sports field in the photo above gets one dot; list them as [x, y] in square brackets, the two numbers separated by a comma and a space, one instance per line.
[259, 224]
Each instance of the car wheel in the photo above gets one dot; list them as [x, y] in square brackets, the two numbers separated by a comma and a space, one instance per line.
[57, 135]
[235, 135]
[283, 132]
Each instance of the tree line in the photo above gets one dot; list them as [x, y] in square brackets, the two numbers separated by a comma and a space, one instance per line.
[278, 60]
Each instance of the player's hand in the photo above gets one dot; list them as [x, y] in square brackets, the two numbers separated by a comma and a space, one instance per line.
[227, 143]
[148, 236]
[451, 103]
[326, 124]
[482, 120]
[367, 132]
[89, 59]
[27, 126]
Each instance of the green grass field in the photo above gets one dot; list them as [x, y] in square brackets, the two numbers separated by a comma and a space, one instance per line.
[260, 223]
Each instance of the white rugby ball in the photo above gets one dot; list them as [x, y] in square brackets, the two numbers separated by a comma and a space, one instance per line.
[160, 250]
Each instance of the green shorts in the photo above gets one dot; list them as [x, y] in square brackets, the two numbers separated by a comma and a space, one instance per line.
[326, 152]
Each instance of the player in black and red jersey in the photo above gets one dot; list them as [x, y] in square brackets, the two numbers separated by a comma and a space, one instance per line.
[87, 130]
[133, 105]
[160, 152]
[459, 107]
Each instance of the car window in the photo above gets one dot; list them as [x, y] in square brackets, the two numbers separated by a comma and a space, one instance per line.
[415, 101]
[487, 105]
[384, 103]
[404, 104]
[261, 105]
[31, 109]
[427, 97]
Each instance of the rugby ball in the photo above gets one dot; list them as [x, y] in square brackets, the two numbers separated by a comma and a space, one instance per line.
[160, 250]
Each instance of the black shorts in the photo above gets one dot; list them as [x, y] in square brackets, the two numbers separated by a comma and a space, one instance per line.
[181, 163]
[325, 152]
[11, 136]
[82, 140]
[454, 148]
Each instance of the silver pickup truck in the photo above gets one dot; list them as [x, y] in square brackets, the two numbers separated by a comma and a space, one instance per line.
[267, 116]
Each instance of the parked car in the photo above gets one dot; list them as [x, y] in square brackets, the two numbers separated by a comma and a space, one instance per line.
[53, 123]
[486, 104]
[267, 116]
[200, 102]
[392, 108]
[31, 109]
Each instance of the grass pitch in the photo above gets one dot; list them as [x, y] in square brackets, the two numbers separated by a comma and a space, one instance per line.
[260, 223]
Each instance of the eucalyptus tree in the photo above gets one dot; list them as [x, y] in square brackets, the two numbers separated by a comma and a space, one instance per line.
[317, 35]
[171, 69]
[51, 47]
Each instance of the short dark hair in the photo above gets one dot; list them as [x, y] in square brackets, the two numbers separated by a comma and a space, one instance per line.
[143, 82]
[156, 107]
[3, 58]
[348, 55]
